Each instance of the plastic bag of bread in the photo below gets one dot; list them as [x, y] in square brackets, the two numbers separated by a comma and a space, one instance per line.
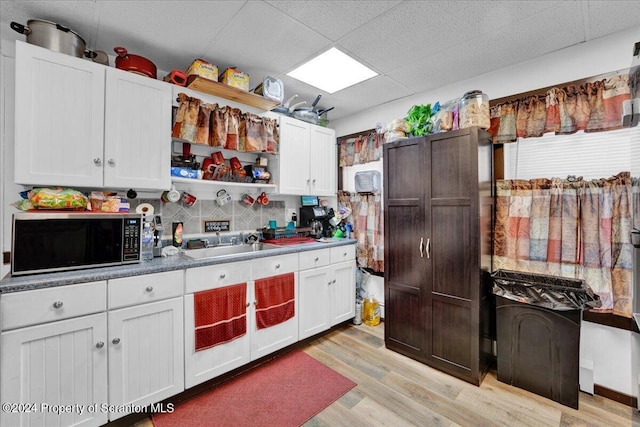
[57, 198]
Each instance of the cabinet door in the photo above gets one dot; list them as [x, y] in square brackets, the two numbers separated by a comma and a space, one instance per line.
[314, 303]
[268, 340]
[145, 354]
[59, 118]
[137, 148]
[58, 363]
[343, 292]
[206, 364]
[405, 264]
[294, 156]
[323, 164]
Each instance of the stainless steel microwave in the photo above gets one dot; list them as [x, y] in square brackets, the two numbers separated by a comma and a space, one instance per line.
[44, 242]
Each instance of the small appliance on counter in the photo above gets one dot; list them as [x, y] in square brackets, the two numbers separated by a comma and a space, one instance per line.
[73, 240]
[315, 216]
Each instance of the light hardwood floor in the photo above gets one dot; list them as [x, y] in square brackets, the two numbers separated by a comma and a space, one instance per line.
[394, 390]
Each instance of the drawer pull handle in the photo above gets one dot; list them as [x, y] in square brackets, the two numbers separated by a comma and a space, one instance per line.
[344, 254]
[57, 304]
[149, 288]
[222, 276]
[316, 260]
[248, 304]
[111, 162]
[277, 266]
[116, 341]
[97, 161]
[99, 344]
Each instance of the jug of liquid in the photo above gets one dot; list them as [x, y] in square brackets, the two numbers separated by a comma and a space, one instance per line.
[371, 311]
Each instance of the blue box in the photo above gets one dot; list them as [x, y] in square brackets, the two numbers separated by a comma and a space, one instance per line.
[184, 172]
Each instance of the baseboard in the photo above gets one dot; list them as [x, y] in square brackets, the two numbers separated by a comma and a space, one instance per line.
[625, 399]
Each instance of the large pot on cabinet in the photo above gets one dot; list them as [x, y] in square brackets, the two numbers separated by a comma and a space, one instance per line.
[54, 36]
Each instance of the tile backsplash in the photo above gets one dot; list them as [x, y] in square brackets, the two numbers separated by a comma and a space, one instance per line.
[241, 216]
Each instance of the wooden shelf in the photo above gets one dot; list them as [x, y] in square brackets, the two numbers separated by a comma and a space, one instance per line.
[228, 92]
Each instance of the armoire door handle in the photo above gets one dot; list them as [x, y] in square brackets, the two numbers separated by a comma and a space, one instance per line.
[428, 248]
[422, 247]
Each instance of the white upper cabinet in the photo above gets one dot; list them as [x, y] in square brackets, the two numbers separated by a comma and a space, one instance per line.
[137, 134]
[59, 118]
[82, 124]
[307, 163]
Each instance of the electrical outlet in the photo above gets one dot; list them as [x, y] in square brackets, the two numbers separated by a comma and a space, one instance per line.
[290, 213]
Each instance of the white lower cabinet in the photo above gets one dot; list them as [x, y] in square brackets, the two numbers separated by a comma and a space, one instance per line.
[209, 363]
[145, 355]
[86, 354]
[64, 346]
[203, 365]
[46, 367]
[327, 293]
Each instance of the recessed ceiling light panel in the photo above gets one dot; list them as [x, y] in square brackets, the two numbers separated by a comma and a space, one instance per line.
[332, 71]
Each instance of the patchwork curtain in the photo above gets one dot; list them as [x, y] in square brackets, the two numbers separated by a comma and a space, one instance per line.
[593, 106]
[362, 149]
[577, 229]
[368, 230]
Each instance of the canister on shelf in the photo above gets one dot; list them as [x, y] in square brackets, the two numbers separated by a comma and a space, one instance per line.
[474, 110]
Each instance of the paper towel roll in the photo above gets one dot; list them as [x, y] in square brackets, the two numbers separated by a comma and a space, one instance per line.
[146, 209]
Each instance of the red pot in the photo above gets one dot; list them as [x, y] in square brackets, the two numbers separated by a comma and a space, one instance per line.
[134, 63]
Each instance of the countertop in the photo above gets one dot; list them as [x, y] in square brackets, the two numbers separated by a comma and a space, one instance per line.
[157, 265]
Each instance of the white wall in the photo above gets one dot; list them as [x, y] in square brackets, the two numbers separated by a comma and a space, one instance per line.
[609, 349]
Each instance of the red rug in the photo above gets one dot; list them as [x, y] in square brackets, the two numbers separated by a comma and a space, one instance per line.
[287, 391]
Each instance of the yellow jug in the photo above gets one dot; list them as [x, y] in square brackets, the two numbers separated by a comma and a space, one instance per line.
[371, 311]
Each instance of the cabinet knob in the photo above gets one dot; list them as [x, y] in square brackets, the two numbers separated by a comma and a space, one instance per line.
[99, 344]
[277, 266]
[344, 254]
[222, 276]
[97, 161]
[111, 162]
[149, 288]
[316, 260]
[116, 341]
[255, 303]
[57, 304]
[247, 305]
[333, 281]
[308, 181]
[314, 180]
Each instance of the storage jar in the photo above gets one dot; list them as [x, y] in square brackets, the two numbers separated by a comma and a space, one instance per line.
[474, 110]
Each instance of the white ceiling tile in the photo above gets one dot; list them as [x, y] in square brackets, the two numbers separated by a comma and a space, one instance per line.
[333, 19]
[171, 34]
[250, 40]
[612, 16]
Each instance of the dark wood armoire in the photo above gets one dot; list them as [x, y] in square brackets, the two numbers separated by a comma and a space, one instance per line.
[438, 214]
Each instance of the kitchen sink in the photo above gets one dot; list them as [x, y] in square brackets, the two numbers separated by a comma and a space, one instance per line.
[217, 251]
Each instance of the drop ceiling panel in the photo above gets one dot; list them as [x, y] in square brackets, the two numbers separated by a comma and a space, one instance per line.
[260, 34]
[171, 34]
[333, 19]
[612, 16]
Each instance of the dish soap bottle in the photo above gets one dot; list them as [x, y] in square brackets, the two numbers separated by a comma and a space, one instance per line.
[371, 311]
[147, 242]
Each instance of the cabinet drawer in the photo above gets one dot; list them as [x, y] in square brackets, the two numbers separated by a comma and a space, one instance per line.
[51, 304]
[343, 253]
[313, 259]
[273, 266]
[214, 276]
[147, 288]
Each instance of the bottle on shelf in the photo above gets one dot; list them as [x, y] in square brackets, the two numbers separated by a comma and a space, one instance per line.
[147, 242]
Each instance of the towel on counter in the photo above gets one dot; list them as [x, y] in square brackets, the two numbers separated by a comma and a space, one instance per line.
[275, 298]
[220, 315]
